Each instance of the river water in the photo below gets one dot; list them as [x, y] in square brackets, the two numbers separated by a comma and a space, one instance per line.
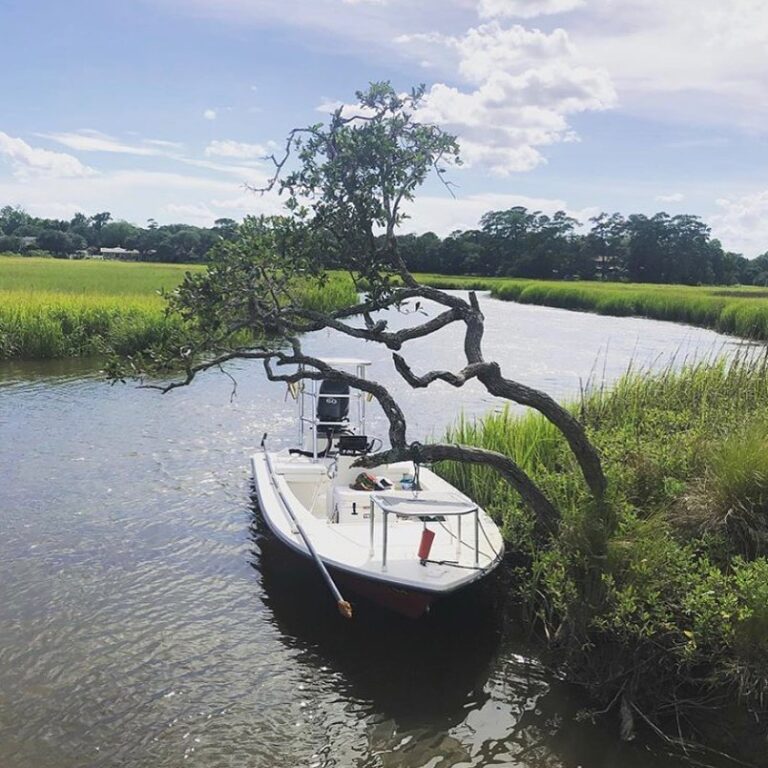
[146, 620]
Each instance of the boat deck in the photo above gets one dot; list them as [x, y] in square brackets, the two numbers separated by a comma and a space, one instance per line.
[348, 527]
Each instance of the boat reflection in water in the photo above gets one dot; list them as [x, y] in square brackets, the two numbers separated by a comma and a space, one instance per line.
[460, 686]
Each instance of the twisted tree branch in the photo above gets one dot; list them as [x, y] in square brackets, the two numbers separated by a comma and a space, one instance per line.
[547, 516]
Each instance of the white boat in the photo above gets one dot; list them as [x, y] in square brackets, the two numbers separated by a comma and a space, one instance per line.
[411, 539]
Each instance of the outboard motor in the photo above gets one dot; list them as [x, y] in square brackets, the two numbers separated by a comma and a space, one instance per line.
[333, 406]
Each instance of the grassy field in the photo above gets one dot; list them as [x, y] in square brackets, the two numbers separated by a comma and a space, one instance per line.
[738, 310]
[682, 613]
[56, 308]
[103, 278]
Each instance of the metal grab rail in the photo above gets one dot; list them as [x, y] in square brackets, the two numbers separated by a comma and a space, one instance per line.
[378, 501]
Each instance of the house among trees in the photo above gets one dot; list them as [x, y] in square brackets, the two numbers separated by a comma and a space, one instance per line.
[126, 254]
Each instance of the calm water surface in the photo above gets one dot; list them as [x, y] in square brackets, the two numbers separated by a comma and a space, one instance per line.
[146, 620]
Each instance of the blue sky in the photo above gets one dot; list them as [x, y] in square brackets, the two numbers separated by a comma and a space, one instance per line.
[164, 108]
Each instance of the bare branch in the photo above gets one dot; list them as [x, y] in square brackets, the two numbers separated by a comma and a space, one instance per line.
[454, 379]
[377, 332]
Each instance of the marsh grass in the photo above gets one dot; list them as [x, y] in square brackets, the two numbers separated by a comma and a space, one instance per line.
[683, 610]
[741, 311]
[55, 308]
[731, 496]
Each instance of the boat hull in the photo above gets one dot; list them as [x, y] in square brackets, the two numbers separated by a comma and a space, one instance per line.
[410, 603]
[398, 587]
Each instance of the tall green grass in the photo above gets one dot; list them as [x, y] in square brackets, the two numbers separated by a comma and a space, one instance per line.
[684, 606]
[742, 312]
[53, 308]
[106, 278]
[45, 324]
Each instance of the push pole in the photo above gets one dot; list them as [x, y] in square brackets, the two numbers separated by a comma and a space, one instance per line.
[345, 608]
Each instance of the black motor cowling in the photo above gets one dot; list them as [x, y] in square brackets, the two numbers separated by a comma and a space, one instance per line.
[333, 404]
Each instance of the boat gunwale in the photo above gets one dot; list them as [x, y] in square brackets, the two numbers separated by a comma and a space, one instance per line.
[382, 578]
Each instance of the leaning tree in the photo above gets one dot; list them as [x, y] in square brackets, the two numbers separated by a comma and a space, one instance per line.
[345, 185]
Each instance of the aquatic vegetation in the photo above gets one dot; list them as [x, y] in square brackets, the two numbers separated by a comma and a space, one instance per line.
[677, 609]
[45, 324]
[731, 496]
[112, 278]
[741, 311]
[55, 308]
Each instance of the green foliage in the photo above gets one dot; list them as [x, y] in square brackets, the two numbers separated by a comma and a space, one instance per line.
[47, 324]
[530, 244]
[679, 607]
[176, 243]
[53, 308]
[731, 496]
[108, 278]
[354, 175]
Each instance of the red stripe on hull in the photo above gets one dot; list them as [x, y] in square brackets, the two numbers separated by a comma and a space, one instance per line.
[407, 602]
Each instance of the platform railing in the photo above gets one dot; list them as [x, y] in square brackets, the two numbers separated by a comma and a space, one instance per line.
[475, 512]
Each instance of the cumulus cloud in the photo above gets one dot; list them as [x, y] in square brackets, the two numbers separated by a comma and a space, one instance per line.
[710, 54]
[27, 161]
[523, 86]
[525, 9]
[209, 114]
[741, 223]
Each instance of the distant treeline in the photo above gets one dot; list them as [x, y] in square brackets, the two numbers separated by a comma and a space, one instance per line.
[172, 243]
[636, 248]
[511, 243]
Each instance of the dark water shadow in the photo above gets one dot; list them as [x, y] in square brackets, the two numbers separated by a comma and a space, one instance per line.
[415, 671]
[469, 654]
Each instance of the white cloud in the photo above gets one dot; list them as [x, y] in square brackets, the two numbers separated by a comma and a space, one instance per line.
[443, 214]
[138, 194]
[209, 114]
[87, 140]
[192, 213]
[525, 85]
[27, 161]
[672, 197]
[710, 54]
[164, 144]
[328, 106]
[95, 141]
[741, 223]
[525, 9]
[236, 149]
